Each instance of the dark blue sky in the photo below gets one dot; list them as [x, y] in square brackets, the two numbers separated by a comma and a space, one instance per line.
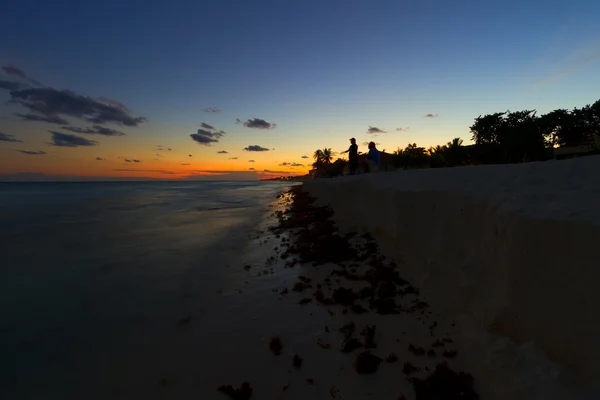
[321, 70]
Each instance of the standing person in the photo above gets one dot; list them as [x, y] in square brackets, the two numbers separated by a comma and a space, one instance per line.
[373, 158]
[352, 156]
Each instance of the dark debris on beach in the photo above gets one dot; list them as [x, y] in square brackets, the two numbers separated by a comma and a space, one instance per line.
[310, 237]
[244, 392]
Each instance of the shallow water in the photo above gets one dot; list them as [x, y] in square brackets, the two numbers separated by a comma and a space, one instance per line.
[88, 269]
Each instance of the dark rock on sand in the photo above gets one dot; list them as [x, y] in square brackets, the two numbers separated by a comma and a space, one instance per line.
[350, 344]
[445, 384]
[344, 296]
[275, 345]
[297, 361]
[348, 329]
[366, 363]
[244, 392]
[449, 353]
[417, 351]
[409, 368]
[368, 334]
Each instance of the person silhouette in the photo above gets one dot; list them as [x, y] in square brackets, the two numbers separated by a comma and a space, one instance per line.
[352, 156]
[373, 158]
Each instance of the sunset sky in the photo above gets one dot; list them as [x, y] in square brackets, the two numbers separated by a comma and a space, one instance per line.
[192, 89]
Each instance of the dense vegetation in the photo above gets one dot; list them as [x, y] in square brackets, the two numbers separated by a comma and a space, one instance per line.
[500, 138]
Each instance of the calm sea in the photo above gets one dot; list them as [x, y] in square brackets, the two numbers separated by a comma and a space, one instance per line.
[81, 261]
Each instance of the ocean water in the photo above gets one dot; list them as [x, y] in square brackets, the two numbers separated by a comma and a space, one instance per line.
[87, 269]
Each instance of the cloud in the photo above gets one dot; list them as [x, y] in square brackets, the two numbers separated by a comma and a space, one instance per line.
[145, 170]
[207, 135]
[137, 161]
[222, 152]
[32, 153]
[238, 121]
[373, 129]
[11, 85]
[100, 159]
[14, 70]
[51, 103]
[66, 140]
[159, 145]
[258, 123]
[185, 164]
[5, 137]
[170, 149]
[212, 110]
[255, 148]
[579, 58]
[233, 158]
[367, 143]
[41, 118]
[127, 160]
[305, 157]
[189, 155]
[275, 172]
[402, 129]
[96, 129]
[251, 161]
[251, 169]
[296, 165]
[283, 164]
[431, 115]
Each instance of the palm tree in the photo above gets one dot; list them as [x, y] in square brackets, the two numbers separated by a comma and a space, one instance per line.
[327, 155]
[318, 156]
[455, 143]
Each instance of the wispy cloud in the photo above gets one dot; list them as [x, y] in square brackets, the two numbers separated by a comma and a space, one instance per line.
[402, 129]
[233, 158]
[185, 164]
[580, 58]
[5, 137]
[251, 161]
[255, 147]
[305, 157]
[431, 115]
[374, 129]
[258, 123]
[222, 152]
[11, 85]
[100, 159]
[14, 70]
[66, 140]
[159, 171]
[32, 153]
[212, 110]
[252, 169]
[189, 155]
[96, 129]
[295, 164]
[51, 119]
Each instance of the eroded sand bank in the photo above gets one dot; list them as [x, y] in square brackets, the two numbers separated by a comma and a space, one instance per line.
[510, 251]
